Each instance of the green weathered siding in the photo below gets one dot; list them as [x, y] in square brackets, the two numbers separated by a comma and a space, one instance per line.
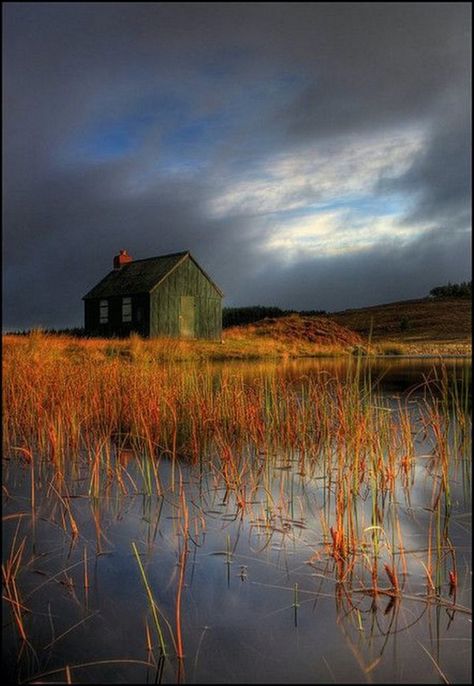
[186, 279]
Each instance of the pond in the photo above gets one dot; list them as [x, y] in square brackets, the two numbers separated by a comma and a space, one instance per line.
[332, 543]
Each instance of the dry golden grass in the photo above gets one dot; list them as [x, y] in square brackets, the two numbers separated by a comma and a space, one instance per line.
[288, 337]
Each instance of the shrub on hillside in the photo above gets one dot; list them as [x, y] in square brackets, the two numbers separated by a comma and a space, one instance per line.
[452, 290]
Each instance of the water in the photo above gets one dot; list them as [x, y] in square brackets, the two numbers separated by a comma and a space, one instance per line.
[261, 602]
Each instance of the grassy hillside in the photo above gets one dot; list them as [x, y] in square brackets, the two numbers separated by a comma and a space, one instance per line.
[415, 326]
[294, 335]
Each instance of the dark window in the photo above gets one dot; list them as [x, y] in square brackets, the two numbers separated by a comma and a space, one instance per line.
[126, 309]
[103, 311]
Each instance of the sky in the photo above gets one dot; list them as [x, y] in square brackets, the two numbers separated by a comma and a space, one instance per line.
[309, 155]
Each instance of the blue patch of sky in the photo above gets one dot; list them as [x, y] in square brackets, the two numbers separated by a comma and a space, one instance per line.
[115, 139]
[110, 138]
[364, 205]
[187, 138]
[165, 107]
[193, 140]
[119, 135]
[375, 205]
[236, 128]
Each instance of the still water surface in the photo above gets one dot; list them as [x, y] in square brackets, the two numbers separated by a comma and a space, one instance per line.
[260, 601]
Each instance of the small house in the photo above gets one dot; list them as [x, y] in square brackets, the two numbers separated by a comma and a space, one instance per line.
[169, 295]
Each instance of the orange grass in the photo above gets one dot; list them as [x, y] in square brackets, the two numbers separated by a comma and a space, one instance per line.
[107, 402]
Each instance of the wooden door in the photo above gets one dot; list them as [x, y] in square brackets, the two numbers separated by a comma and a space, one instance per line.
[186, 317]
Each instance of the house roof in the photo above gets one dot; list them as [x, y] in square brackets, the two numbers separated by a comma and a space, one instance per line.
[140, 276]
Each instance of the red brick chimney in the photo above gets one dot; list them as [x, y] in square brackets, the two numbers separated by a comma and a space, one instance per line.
[121, 259]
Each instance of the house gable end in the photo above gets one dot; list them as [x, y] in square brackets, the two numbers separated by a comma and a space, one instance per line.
[170, 295]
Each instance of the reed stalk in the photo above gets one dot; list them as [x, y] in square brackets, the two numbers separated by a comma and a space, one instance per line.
[151, 600]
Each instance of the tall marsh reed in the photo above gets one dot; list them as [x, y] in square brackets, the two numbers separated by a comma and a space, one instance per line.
[70, 411]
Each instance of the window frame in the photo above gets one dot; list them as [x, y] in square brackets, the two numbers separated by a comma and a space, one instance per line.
[103, 311]
[126, 309]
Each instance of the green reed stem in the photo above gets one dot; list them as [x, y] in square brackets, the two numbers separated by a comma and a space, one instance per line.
[150, 599]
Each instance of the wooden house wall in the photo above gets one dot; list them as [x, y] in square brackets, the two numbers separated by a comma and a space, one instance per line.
[115, 326]
[165, 300]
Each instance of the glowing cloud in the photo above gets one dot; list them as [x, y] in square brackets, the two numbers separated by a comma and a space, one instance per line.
[346, 170]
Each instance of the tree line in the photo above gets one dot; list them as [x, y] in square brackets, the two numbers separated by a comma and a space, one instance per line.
[452, 290]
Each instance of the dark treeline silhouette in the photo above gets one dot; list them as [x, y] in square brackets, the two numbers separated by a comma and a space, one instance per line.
[235, 316]
[76, 332]
[453, 290]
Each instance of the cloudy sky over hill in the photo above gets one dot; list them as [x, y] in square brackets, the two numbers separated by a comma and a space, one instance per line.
[312, 155]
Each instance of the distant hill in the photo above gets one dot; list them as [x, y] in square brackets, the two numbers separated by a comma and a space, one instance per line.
[237, 316]
[418, 324]
[297, 330]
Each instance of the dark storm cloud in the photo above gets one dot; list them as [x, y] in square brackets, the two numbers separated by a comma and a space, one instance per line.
[125, 123]
[379, 275]
[440, 175]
